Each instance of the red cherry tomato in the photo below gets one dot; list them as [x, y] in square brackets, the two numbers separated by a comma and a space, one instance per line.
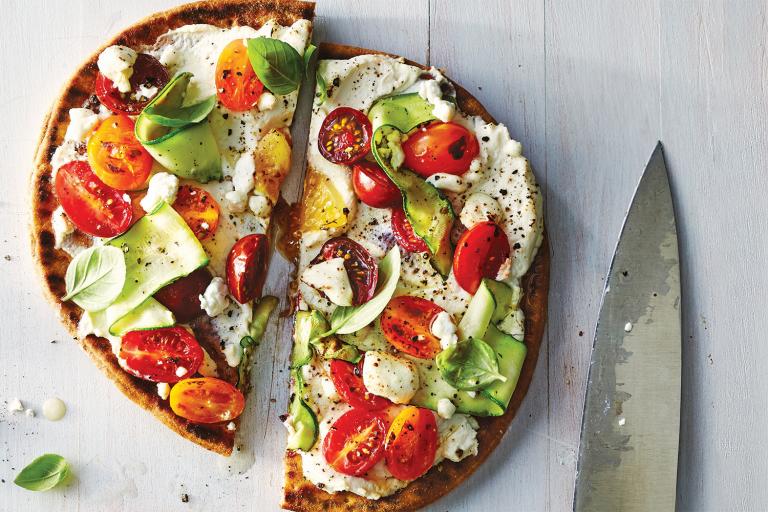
[411, 443]
[147, 71]
[440, 147]
[237, 85]
[95, 208]
[247, 267]
[117, 157]
[373, 186]
[168, 354]
[182, 297]
[345, 136]
[361, 268]
[348, 380]
[480, 253]
[355, 442]
[404, 234]
[199, 209]
[406, 323]
[206, 400]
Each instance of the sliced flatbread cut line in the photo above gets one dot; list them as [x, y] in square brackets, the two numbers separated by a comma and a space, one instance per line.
[52, 263]
[301, 495]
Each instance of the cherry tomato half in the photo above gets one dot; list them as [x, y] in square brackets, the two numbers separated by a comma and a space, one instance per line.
[168, 354]
[199, 209]
[182, 295]
[348, 380]
[411, 443]
[480, 252]
[406, 323]
[361, 268]
[95, 208]
[404, 234]
[345, 136]
[206, 400]
[147, 71]
[355, 442]
[440, 147]
[237, 85]
[373, 186]
[247, 267]
[117, 157]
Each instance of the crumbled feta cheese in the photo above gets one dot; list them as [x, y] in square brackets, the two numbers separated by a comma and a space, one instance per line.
[144, 92]
[30, 413]
[514, 324]
[181, 371]
[231, 426]
[214, 299]
[61, 225]
[628, 327]
[163, 186]
[448, 182]
[233, 352]
[81, 122]
[116, 63]
[69, 151]
[458, 438]
[266, 101]
[480, 207]
[208, 368]
[330, 277]
[163, 390]
[390, 376]
[15, 405]
[504, 270]
[243, 181]
[445, 408]
[444, 329]
[259, 205]
[442, 109]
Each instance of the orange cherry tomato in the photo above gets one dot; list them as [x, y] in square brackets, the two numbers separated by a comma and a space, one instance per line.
[160, 355]
[480, 253]
[237, 85]
[95, 208]
[440, 147]
[406, 323]
[206, 400]
[411, 443]
[199, 209]
[115, 155]
[355, 442]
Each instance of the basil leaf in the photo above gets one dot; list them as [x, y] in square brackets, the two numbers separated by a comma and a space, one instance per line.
[277, 64]
[43, 473]
[311, 49]
[349, 319]
[95, 277]
[322, 88]
[469, 365]
[179, 117]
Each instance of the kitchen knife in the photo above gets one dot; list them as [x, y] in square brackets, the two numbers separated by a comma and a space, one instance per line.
[631, 423]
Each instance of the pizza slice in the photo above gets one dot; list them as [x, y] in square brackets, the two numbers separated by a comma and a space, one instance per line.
[155, 184]
[422, 284]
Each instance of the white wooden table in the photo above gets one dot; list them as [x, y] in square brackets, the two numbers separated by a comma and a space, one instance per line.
[588, 91]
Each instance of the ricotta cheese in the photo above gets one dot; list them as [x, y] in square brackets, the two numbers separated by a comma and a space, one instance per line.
[233, 352]
[116, 63]
[443, 110]
[390, 376]
[81, 122]
[330, 277]
[444, 329]
[448, 182]
[214, 299]
[163, 186]
[480, 207]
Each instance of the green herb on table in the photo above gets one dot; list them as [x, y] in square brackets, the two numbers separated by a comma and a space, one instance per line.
[43, 473]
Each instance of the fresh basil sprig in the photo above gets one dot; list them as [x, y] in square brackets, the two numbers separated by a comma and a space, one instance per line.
[469, 365]
[277, 64]
[43, 473]
[95, 277]
[311, 49]
[349, 319]
[322, 88]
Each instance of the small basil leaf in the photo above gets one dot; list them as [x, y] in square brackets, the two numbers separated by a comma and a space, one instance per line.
[95, 277]
[349, 319]
[277, 64]
[322, 88]
[180, 116]
[311, 49]
[469, 365]
[43, 473]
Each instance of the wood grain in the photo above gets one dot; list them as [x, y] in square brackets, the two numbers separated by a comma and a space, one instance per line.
[588, 88]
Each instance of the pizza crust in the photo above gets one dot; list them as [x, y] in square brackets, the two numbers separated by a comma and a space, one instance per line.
[52, 263]
[301, 495]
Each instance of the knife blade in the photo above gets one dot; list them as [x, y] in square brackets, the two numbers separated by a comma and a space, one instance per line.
[631, 423]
